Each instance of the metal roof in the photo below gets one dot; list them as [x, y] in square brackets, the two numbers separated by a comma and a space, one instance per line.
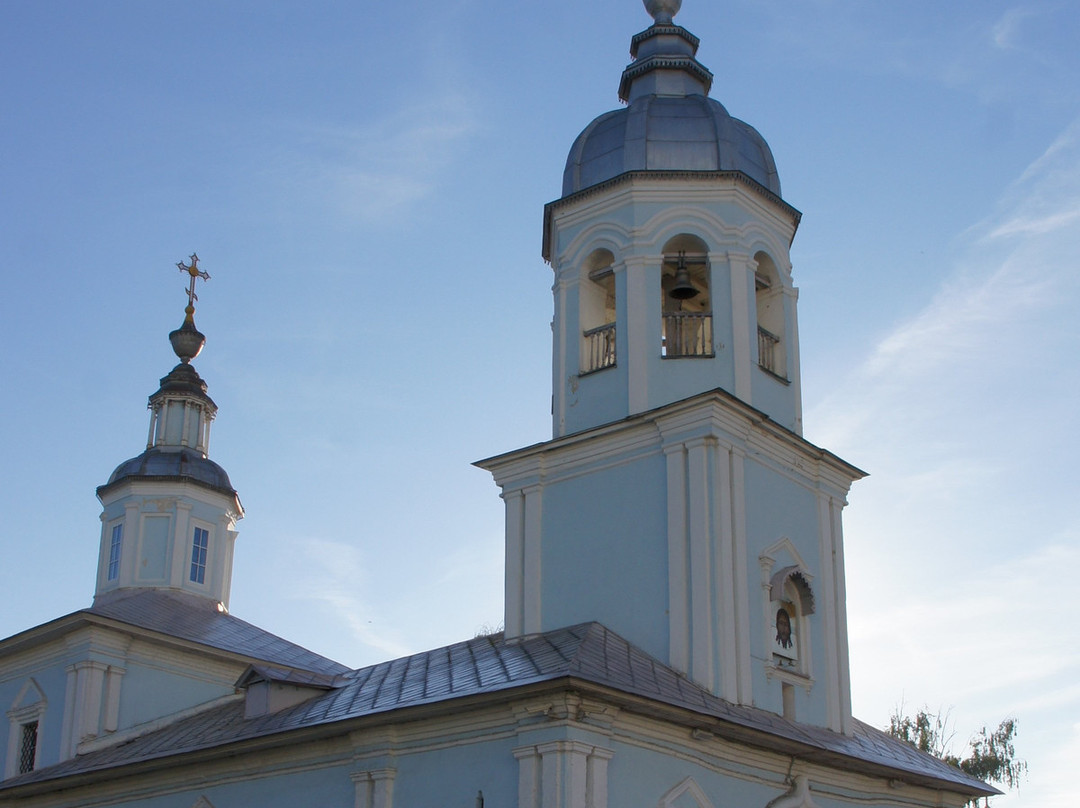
[198, 620]
[579, 655]
[171, 464]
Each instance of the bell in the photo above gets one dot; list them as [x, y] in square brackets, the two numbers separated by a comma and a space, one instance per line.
[683, 288]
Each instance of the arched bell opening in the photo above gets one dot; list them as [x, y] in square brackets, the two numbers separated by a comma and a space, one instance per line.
[771, 330]
[686, 300]
[596, 300]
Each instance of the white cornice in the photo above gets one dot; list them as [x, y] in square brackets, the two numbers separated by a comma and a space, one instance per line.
[714, 413]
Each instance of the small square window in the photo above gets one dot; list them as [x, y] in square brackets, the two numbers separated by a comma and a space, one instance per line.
[198, 555]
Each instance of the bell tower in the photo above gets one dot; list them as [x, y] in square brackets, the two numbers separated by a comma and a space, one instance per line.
[169, 515]
[670, 251]
[677, 502]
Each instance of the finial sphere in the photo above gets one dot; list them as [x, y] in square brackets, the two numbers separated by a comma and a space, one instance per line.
[663, 10]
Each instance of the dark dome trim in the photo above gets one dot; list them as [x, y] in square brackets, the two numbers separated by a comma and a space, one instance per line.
[157, 465]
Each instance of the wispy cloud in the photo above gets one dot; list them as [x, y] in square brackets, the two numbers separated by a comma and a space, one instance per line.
[373, 171]
[968, 405]
[337, 575]
[1006, 29]
[992, 309]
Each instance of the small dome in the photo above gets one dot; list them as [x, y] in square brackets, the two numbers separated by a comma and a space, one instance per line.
[668, 133]
[669, 123]
[182, 463]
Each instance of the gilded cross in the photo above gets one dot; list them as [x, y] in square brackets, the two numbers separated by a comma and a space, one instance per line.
[195, 273]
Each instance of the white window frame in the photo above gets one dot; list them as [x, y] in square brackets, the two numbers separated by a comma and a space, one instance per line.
[205, 565]
[116, 543]
[18, 717]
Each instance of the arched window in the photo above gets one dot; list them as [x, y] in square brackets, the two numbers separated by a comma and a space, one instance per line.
[772, 353]
[596, 297]
[686, 301]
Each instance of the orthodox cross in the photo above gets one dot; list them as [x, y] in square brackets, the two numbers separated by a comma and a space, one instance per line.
[195, 273]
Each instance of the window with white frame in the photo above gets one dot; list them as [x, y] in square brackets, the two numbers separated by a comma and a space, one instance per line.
[116, 544]
[25, 722]
[199, 546]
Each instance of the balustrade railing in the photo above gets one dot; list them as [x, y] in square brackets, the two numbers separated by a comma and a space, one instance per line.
[599, 348]
[768, 352]
[687, 333]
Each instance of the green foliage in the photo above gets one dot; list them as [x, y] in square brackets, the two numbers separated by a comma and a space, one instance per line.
[991, 755]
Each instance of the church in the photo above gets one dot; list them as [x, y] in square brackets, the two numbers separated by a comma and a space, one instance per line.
[675, 629]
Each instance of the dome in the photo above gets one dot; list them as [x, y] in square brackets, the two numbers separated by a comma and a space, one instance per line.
[172, 464]
[668, 133]
[669, 123]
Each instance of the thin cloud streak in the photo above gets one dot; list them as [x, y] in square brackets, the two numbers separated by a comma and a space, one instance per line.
[965, 413]
[337, 574]
[372, 172]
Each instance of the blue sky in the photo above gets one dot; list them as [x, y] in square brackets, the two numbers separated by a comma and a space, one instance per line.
[366, 188]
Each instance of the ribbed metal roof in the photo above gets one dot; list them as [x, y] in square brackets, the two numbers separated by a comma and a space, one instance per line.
[173, 463]
[586, 653]
[197, 620]
[670, 124]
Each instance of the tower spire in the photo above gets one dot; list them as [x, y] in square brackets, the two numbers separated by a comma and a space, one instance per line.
[170, 513]
[187, 341]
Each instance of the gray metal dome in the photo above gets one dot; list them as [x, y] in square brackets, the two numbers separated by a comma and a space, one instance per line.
[670, 123]
[173, 464]
[659, 133]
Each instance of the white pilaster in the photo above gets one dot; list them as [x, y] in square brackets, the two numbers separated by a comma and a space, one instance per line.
[678, 574]
[67, 726]
[742, 282]
[701, 565]
[533, 538]
[828, 615]
[562, 774]
[846, 723]
[514, 594]
[374, 789]
[791, 299]
[741, 574]
[110, 719]
[129, 550]
[528, 777]
[180, 562]
[641, 326]
[726, 577]
[560, 347]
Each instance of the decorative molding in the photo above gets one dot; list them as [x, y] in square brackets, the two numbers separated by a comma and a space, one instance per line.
[687, 787]
[713, 177]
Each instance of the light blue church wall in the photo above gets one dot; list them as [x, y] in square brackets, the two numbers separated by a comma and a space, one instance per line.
[612, 522]
[151, 692]
[779, 507]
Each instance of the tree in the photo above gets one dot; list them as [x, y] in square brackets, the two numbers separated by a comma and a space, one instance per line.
[991, 755]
